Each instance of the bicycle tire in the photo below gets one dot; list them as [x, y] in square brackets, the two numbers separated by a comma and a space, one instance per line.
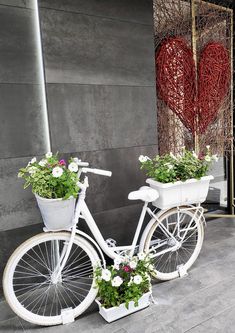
[73, 275]
[167, 265]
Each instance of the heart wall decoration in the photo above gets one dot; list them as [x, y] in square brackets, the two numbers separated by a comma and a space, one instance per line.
[188, 98]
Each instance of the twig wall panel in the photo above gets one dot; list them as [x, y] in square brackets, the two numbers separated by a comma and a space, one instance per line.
[193, 75]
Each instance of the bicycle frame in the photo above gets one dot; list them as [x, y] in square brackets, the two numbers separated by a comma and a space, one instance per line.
[82, 211]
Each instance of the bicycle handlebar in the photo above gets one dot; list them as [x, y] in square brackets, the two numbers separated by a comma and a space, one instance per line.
[97, 172]
[82, 164]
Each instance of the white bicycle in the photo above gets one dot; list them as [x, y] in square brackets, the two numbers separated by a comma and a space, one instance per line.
[49, 278]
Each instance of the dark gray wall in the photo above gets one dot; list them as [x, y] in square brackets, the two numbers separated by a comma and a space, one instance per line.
[22, 125]
[22, 128]
[100, 78]
[99, 68]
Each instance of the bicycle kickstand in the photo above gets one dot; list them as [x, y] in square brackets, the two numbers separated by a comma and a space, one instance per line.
[182, 271]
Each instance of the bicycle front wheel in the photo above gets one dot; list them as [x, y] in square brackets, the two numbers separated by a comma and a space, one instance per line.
[28, 282]
[187, 229]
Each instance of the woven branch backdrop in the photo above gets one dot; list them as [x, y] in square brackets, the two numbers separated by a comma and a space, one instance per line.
[176, 127]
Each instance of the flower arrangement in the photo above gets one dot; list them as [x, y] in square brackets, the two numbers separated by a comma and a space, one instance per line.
[170, 168]
[125, 281]
[51, 178]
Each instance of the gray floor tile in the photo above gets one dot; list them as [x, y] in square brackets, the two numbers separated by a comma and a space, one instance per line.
[202, 302]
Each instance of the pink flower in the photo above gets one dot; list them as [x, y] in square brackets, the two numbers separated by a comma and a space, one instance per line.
[62, 162]
[126, 269]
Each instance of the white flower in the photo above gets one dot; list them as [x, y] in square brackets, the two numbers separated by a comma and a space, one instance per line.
[118, 261]
[33, 160]
[137, 279]
[207, 158]
[57, 172]
[133, 264]
[106, 275]
[117, 281]
[73, 167]
[143, 158]
[141, 256]
[43, 162]
[49, 154]
[76, 160]
[215, 157]
[32, 170]
[116, 266]
[208, 147]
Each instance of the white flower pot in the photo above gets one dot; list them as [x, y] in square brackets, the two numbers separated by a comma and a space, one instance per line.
[120, 311]
[57, 214]
[180, 193]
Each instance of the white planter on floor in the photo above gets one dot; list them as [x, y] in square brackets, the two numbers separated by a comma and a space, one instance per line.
[57, 214]
[120, 311]
[180, 193]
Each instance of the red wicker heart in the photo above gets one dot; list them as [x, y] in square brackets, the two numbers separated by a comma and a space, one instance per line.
[176, 81]
[213, 82]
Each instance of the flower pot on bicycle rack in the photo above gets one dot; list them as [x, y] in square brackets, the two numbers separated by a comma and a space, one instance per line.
[57, 214]
[117, 312]
[180, 193]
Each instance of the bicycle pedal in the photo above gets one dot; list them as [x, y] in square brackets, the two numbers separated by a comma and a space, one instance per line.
[111, 242]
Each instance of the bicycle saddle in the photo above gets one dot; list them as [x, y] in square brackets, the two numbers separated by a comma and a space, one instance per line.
[145, 193]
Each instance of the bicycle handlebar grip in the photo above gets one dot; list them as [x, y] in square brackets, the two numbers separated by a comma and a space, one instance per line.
[98, 172]
[82, 164]
[102, 172]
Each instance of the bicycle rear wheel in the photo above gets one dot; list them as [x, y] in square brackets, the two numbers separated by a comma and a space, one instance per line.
[28, 281]
[169, 262]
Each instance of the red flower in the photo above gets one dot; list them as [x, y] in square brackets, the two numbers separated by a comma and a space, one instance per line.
[126, 269]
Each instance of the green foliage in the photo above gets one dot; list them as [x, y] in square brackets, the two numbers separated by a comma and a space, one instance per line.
[125, 281]
[50, 178]
[170, 168]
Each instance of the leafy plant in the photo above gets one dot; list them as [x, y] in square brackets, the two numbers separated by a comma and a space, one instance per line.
[51, 178]
[170, 168]
[125, 281]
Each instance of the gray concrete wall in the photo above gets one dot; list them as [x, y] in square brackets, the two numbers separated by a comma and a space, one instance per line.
[100, 78]
[100, 84]
[22, 130]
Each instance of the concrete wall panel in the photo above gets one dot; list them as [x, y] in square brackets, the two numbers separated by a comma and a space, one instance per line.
[22, 129]
[18, 56]
[91, 117]
[139, 11]
[95, 50]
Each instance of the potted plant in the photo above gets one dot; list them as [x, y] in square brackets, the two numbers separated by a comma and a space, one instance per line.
[124, 287]
[180, 179]
[54, 184]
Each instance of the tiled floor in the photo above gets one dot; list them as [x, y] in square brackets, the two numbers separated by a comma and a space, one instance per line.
[204, 301]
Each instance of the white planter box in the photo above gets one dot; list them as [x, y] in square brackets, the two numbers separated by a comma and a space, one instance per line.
[120, 311]
[180, 193]
[57, 214]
